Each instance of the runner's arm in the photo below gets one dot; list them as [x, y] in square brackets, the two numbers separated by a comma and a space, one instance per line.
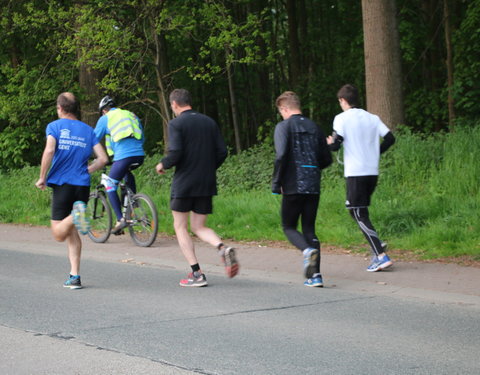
[324, 154]
[388, 141]
[175, 146]
[221, 149]
[281, 149]
[46, 162]
[101, 127]
[335, 141]
[101, 159]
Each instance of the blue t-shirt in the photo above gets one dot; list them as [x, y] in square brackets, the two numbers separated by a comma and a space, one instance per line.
[74, 145]
[124, 148]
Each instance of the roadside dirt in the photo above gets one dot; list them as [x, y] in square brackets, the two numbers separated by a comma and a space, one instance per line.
[399, 255]
[276, 261]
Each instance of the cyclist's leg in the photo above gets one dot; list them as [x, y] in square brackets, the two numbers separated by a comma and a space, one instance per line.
[130, 181]
[129, 177]
[117, 173]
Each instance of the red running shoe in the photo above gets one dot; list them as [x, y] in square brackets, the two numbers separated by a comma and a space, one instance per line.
[195, 279]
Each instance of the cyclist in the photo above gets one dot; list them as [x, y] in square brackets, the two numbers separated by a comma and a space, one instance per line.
[124, 140]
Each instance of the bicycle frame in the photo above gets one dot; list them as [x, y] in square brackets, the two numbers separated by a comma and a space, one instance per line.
[138, 210]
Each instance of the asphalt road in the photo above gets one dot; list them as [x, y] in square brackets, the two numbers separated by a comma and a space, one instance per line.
[133, 318]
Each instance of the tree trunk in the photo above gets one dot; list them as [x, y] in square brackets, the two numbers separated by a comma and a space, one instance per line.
[433, 71]
[160, 62]
[294, 45]
[14, 60]
[91, 95]
[383, 76]
[449, 62]
[87, 78]
[233, 104]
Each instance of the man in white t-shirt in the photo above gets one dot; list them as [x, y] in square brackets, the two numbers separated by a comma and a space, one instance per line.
[359, 132]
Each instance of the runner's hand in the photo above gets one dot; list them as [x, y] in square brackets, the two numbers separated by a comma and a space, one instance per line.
[160, 169]
[41, 184]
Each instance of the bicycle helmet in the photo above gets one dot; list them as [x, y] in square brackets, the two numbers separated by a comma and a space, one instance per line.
[106, 101]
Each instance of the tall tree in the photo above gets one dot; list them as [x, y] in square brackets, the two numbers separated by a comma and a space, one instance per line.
[449, 64]
[383, 75]
[294, 61]
[87, 78]
[228, 43]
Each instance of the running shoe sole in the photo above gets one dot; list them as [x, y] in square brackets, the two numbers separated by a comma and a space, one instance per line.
[316, 284]
[386, 265]
[76, 285]
[310, 263]
[380, 266]
[73, 286]
[231, 265]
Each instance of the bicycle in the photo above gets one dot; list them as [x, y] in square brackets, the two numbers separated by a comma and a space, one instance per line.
[138, 210]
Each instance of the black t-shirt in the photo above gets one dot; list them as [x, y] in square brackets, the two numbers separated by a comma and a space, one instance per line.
[196, 149]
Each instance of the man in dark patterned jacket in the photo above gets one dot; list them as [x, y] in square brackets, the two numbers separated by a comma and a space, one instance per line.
[301, 153]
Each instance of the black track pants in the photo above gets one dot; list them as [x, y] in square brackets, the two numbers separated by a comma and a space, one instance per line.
[360, 215]
[301, 207]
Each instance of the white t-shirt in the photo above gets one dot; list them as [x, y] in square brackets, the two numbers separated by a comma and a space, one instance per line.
[361, 132]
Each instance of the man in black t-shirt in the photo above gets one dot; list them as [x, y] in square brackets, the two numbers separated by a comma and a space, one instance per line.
[196, 149]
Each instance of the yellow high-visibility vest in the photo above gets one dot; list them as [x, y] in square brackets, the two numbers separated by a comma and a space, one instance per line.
[121, 124]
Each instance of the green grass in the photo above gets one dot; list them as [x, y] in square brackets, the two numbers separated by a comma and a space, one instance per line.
[427, 200]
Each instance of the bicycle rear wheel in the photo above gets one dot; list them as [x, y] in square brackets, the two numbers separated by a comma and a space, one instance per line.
[143, 220]
[100, 217]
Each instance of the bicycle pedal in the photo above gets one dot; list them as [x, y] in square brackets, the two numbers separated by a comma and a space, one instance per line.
[119, 233]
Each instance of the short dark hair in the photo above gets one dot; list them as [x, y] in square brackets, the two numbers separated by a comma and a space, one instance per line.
[350, 94]
[181, 96]
[288, 99]
[69, 103]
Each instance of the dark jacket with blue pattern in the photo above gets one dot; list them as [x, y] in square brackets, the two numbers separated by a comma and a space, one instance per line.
[301, 153]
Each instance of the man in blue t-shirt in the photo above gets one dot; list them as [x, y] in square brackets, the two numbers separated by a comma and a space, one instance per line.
[124, 141]
[69, 145]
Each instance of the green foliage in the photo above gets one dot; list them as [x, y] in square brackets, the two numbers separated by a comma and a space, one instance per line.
[136, 46]
[247, 171]
[18, 192]
[228, 42]
[15, 147]
[467, 66]
[30, 80]
[427, 199]
[430, 189]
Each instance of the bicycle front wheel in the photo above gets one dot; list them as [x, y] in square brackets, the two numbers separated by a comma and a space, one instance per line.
[100, 217]
[143, 219]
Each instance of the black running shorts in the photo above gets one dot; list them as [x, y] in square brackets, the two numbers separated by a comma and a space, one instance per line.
[199, 205]
[360, 190]
[63, 198]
